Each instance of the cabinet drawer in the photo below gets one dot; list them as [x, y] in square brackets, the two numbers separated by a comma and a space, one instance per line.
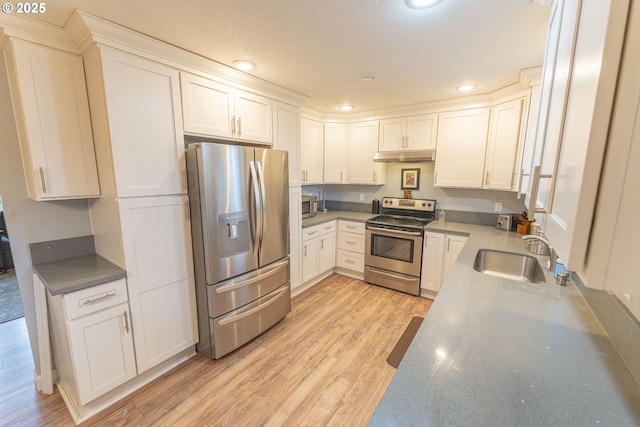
[310, 232]
[327, 227]
[95, 298]
[351, 227]
[350, 260]
[351, 242]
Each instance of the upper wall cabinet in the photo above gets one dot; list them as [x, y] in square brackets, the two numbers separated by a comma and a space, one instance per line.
[213, 109]
[54, 127]
[408, 133]
[462, 140]
[286, 136]
[363, 145]
[136, 113]
[502, 145]
[312, 136]
[335, 153]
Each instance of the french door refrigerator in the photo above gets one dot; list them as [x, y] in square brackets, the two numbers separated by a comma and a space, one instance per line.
[239, 200]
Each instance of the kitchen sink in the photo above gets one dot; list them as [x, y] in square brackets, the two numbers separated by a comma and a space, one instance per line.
[509, 265]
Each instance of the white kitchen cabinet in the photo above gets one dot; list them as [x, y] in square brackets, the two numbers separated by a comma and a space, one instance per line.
[351, 246]
[327, 250]
[92, 340]
[440, 252]
[318, 250]
[51, 109]
[136, 114]
[286, 136]
[335, 153]
[295, 235]
[214, 109]
[363, 145]
[462, 142]
[526, 162]
[502, 145]
[312, 159]
[408, 133]
[156, 237]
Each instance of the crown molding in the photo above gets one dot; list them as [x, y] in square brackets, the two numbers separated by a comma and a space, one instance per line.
[33, 30]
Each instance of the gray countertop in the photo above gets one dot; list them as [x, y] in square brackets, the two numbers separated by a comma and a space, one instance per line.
[327, 216]
[75, 273]
[493, 351]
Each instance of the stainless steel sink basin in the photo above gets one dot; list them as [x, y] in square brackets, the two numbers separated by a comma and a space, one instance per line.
[509, 265]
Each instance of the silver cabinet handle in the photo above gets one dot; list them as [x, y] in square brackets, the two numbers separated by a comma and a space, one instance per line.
[448, 243]
[233, 125]
[42, 180]
[340, 176]
[305, 250]
[90, 301]
[374, 176]
[349, 261]
[486, 180]
[239, 126]
[126, 322]
[322, 244]
[350, 227]
[311, 233]
[350, 242]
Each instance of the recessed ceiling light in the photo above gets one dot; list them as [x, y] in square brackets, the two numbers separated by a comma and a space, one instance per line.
[366, 77]
[421, 4]
[346, 107]
[245, 65]
[465, 88]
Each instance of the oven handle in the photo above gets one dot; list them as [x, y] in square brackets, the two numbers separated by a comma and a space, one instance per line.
[408, 233]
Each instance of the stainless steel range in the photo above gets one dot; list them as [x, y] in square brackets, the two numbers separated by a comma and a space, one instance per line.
[393, 256]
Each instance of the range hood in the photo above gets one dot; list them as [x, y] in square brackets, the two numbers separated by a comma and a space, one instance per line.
[405, 156]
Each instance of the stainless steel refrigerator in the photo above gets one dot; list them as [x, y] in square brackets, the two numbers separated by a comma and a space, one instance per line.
[239, 200]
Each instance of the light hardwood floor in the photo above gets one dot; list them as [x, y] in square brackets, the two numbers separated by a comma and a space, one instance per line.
[324, 364]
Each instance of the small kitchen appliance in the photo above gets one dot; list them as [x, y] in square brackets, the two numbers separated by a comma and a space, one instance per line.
[504, 222]
[309, 206]
[393, 255]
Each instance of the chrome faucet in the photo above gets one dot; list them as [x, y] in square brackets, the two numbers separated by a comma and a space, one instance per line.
[553, 256]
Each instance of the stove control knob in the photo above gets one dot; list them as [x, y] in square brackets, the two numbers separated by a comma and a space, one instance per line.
[429, 205]
[424, 204]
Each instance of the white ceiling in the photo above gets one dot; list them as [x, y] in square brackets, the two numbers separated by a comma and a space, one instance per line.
[319, 47]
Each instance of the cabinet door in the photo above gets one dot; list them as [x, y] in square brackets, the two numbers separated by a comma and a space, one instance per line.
[422, 132]
[327, 252]
[392, 134]
[526, 164]
[363, 145]
[207, 106]
[335, 153]
[432, 261]
[502, 145]
[311, 152]
[310, 253]
[295, 263]
[102, 349]
[454, 245]
[286, 136]
[157, 249]
[52, 112]
[462, 140]
[254, 121]
[147, 141]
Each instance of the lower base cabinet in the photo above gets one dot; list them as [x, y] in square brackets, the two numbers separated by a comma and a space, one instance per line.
[92, 340]
[439, 253]
[318, 250]
[350, 253]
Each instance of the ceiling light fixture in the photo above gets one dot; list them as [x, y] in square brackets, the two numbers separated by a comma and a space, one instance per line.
[366, 77]
[465, 88]
[346, 107]
[245, 65]
[421, 4]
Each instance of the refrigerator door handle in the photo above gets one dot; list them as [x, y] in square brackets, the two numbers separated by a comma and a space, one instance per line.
[263, 196]
[258, 212]
[233, 286]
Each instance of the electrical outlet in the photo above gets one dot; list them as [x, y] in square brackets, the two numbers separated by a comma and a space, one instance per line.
[498, 207]
[362, 197]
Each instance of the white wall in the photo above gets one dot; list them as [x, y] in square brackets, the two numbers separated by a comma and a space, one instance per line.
[29, 221]
[447, 198]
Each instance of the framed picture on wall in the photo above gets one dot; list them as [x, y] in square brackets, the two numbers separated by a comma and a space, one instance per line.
[410, 179]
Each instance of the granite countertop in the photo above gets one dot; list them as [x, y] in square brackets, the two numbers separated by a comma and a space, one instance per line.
[327, 216]
[68, 265]
[494, 351]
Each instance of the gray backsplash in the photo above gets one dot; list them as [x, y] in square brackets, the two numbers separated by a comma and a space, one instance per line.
[55, 250]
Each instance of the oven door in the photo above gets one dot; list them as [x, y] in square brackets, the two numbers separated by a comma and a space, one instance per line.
[394, 250]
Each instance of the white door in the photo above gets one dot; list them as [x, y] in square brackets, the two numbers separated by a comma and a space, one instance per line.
[335, 153]
[422, 132]
[453, 247]
[207, 106]
[502, 145]
[432, 261]
[310, 253]
[327, 254]
[102, 348]
[462, 140]
[54, 123]
[145, 121]
[254, 121]
[363, 145]
[393, 134]
[311, 152]
[286, 136]
[157, 247]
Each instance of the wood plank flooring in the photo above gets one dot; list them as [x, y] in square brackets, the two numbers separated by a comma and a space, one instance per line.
[324, 364]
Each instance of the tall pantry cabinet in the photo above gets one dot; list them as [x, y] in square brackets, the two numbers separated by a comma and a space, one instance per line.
[141, 222]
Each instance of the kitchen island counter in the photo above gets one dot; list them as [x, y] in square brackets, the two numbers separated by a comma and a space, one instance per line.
[494, 351]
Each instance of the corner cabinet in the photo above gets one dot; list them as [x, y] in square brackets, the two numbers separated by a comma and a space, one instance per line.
[51, 109]
[212, 108]
[286, 136]
[409, 133]
[462, 141]
[439, 254]
[502, 146]
[363, 145]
